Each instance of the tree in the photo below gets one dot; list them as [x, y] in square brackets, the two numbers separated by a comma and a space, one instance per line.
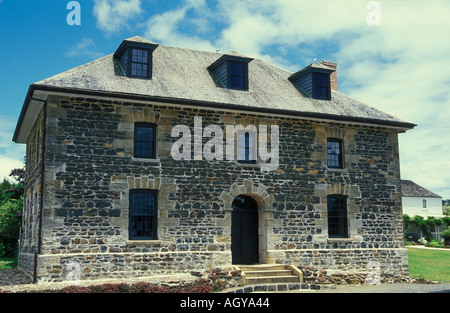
[11, 205]
[10, 222]
[446, 235]
[446, 207]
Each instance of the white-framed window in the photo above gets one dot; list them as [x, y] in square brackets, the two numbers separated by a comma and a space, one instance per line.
[247, 146]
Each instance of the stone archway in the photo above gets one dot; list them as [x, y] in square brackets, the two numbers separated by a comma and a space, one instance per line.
[264, 200]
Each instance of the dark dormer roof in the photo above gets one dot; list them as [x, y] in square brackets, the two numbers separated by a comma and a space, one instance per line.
[411, 189]
[314, 67]
[222, 70]
[181, 76]
[305, 80]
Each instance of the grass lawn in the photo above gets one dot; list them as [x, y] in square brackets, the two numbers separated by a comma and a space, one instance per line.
[7, 263]
[432, 265]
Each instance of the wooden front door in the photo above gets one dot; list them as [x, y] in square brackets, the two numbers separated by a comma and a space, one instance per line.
[244, 231]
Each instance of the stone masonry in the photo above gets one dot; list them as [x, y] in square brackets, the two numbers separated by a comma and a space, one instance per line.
[84, 149]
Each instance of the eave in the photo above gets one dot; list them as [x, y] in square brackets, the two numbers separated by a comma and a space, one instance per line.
[37, 94]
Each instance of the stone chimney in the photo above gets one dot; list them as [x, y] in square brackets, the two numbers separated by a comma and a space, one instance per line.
[333, 76]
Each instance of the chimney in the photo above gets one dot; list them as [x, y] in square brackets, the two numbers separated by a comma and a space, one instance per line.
[333, 76]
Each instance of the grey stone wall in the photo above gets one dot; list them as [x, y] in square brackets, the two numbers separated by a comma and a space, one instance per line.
[29, 232]
[90, 170]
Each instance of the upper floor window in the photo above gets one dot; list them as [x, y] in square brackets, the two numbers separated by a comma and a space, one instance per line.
[321, 86]
[139, 63]
[231, 71]
[337, 216]
[238, 77]
[247, 147]
[143, 214]
[134, 57]
[145, 140]
[334, 153]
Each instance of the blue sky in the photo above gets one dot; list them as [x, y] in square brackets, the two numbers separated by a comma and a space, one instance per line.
[393, 55]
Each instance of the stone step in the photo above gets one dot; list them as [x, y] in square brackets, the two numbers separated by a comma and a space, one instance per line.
[270, 274]
[261, 267]
[271, 280]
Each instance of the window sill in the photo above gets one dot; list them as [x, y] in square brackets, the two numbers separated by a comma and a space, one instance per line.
[257, 164]
[144, 242]
[335, 169]
[340, 239]
[146, 160]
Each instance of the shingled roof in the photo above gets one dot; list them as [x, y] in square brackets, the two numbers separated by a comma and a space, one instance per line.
[180, 76]
[411, 189]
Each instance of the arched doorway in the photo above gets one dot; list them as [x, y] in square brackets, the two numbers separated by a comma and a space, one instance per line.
[244, 230]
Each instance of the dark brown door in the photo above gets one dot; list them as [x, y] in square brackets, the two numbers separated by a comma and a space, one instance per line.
[244, 231]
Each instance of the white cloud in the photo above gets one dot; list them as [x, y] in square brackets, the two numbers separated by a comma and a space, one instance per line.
[112, 15]
[84, 48]
[401, 68]
[11, 154]
[7, 165]
[170, 28]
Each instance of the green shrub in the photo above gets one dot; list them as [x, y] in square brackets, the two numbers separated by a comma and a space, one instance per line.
[10, 222]
[435, 244]
[446, 235]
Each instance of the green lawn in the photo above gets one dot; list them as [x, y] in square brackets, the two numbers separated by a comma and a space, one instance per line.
[432, 265]
[7, 263]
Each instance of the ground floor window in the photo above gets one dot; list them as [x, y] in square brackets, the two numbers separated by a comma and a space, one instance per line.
[143, 214]
[337, 216]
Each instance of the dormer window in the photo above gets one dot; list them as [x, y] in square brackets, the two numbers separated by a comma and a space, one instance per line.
[238, 75]
[231, 71]
[321, 86]
[139, 63]
[134, 57]
[314, 81]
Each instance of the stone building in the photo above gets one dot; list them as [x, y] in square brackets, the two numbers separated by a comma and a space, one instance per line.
[133, 170]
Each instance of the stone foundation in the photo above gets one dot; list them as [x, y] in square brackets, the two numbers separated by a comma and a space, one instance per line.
[389, 261]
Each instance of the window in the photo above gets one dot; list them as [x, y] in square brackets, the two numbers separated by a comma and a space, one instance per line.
[145, 140]
[321, 86]
[231, 72]
[424, 203]
[134, 58]
[238, 75]
[139, 63]
[334, 153]
[143, 214]
[246, 147]
[337, 216]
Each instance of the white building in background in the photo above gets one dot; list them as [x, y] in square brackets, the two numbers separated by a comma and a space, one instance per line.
[417, 200]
